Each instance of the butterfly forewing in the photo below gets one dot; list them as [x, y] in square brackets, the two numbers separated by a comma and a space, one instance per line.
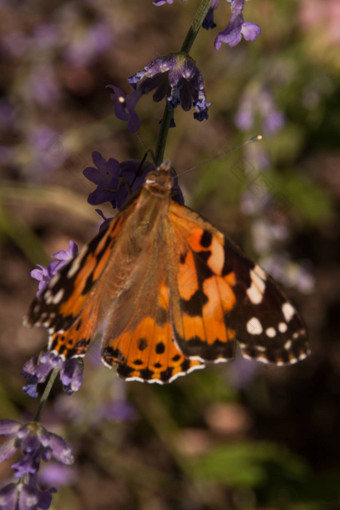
[68, 307]
[228, 298]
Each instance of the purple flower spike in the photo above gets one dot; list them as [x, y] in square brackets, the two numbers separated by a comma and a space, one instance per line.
[22, 496]
[45, 274]
[37, 369]
[36, 444]
[125, 107]
[237, 27]
[176, 78]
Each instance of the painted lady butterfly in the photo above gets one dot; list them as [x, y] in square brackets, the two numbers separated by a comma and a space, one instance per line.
[170, 293]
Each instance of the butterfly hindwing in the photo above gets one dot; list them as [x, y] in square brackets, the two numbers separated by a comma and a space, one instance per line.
[138, 335]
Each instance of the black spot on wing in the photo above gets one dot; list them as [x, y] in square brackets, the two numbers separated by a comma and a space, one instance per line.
[124, 371]
[206, 239]
[166, 374]
[160, 348]
[142, 344]
[194, 305]
[110, 355]
[146, 374]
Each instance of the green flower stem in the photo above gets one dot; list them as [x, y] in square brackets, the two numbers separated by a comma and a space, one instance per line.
[46, 393]
[195, 26]
[186, 47]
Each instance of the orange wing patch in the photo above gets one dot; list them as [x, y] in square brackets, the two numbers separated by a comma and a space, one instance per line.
[147, 352]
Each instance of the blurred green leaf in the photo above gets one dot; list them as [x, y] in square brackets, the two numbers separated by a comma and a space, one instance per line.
[246, 464]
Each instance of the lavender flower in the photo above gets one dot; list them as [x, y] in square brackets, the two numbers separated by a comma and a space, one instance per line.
[116, 181]
[36, 444]
[176, 78]
[162, 2]
[237, 27]
[37, 369]
[125, 107]
[262, 103]
[209, 21]
[45, 274]
[88, 43]
[25, 496]
[57, 474]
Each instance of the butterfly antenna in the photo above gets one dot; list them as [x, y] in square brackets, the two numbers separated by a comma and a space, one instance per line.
[256, 138]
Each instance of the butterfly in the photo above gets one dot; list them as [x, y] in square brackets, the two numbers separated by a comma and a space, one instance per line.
[170, 293]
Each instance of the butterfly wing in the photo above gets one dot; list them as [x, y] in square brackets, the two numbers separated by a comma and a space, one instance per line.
[223, 296]
[70, 306]
[138, 334]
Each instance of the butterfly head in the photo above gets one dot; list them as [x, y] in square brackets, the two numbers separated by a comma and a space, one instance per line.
[160, 181]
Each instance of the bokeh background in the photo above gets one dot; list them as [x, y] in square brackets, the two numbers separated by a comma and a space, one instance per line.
[234, 436]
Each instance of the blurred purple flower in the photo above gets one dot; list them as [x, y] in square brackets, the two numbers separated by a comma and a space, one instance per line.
[42, 86]
[37, 369]
[87, 44]
[36, 444]
[14, 44]
[266, 234]
[125, 107]
[288, 272]
[237, 27]
[46, 35]
[176, 78]
[6, 115]
[57, 474]
[162, 2]
[242, 371]
[47, 151]
[45, 274]
[259, 102]
[117, 411]
[25, 496]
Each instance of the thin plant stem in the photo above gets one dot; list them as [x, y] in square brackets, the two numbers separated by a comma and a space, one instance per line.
[185, 48]
[46, 393]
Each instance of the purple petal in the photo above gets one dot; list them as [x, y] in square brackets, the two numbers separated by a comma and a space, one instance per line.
[250, 31]
[8, 427]
[71, 375]
[28, 464]
[8, 448]
[9, 496]
[60, 450]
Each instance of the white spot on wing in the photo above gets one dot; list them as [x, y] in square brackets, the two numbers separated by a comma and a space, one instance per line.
[76, 263]
[282, 327]
[270, 332]
[58, 297]
[288, 345]
[254, 326]
[256, 289]
[260, 272]
[288, 311]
